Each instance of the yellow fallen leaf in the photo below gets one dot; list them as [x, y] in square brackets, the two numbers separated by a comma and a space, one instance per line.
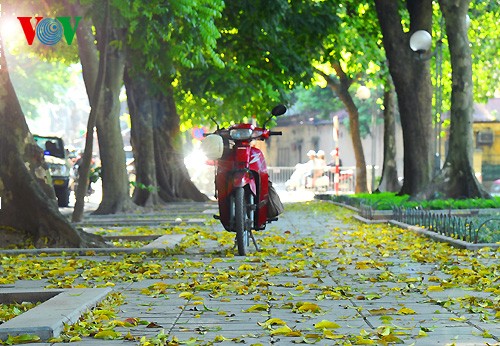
[244, 267]
[325, 324]
[309, 307]
[458, 319]
[186, 295]
[272, 322]
[362, 341]
[311, 338]
[21, 339]
[362, 265]
[434, 279]
[220, 338]
[382, 311]
[328, 334]
[392, 339]
[421, 334]
[107, 335]
[285, 331]
[435, 288]
[257, 307]
[486, 334]
[406, 311]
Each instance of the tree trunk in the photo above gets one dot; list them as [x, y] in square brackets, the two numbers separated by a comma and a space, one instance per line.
[171, 173]
[389, 181]
[142, 106]
[413, 86]
[340, 87]
[94, 82]
[457, 179]
[115, 185]
[29, 209]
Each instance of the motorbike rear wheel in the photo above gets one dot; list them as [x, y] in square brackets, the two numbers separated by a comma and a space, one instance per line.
[240, 214]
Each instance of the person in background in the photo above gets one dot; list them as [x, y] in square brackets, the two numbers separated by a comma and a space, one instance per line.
[319, 166]
[332, 163]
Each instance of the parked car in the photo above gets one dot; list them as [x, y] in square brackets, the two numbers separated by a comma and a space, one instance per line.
[59, 166]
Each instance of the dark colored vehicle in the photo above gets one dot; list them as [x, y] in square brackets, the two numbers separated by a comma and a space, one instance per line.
[59, 166]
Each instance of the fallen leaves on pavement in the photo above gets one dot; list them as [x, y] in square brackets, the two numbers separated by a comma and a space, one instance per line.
[288, 289]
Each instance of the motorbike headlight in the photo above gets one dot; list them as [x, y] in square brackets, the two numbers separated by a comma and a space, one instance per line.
[58, 170]
[241, 133]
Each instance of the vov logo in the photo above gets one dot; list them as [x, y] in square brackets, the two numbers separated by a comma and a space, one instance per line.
[49, 31]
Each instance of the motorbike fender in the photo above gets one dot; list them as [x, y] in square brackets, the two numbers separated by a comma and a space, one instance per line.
[241, 179]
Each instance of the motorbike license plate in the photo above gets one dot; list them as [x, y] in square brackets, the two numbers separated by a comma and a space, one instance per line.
[58, 182]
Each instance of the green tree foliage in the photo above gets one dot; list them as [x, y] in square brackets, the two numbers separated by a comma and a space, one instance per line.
[166, 36]
[485, 44]
[267, 49]
[316, 99]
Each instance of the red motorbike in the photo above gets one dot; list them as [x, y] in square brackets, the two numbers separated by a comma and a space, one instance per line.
[241, 180]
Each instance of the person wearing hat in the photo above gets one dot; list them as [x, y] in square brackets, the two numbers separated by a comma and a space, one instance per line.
[333, 162]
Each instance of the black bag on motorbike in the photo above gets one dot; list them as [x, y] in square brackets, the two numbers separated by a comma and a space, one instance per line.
[274, 205]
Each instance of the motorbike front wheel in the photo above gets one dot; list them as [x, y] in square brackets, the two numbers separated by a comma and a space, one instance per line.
[240, 213]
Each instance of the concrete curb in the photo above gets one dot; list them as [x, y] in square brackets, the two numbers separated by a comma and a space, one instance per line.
[65, 307]
[161, 244]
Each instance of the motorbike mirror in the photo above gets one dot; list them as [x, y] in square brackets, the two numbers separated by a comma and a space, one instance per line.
[278, 110]
[215, 121]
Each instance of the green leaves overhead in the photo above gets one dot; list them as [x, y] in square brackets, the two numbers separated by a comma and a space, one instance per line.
[164, 36]
[267, 48]
[485, 44]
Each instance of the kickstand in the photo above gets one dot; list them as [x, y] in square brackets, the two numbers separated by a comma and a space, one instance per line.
[254, 241]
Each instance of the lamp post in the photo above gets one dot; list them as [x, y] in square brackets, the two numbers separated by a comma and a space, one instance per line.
[421, 42]
[363, 93]
[336, 176]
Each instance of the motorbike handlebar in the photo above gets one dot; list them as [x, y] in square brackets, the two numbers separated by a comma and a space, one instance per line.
[275, 133]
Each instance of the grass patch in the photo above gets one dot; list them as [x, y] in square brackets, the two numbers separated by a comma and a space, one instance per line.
[388, 200]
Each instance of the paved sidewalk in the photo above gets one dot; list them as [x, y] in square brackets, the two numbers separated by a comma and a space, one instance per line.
[319, 279]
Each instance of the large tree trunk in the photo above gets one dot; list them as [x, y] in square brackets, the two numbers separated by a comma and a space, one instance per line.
[389, 181]
[142, 106]
[413, 86]
[340, 86]
[171, 173]
[29, 209]
[114, 177]
[457, 179]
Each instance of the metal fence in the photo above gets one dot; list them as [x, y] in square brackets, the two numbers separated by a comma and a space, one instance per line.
[472, 229]
[281, 177]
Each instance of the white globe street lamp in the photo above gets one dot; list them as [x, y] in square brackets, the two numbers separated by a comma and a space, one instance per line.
[420, 41]
[363, 93]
